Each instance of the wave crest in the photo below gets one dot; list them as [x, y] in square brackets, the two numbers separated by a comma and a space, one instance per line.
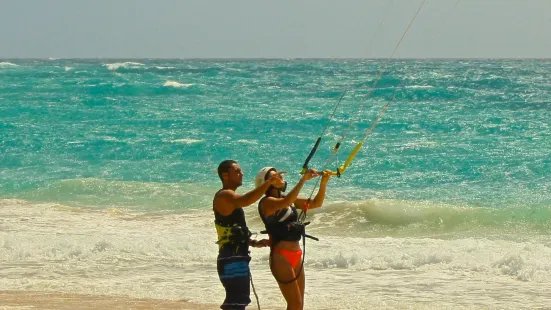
[176, 84]
[7, 65]
[377, 218]
[128, 64]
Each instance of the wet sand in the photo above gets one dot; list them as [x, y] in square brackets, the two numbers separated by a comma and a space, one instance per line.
[12, 300]
[62, 301]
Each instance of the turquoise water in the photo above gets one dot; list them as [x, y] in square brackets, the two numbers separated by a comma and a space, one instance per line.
[108, 168]
[147, 135]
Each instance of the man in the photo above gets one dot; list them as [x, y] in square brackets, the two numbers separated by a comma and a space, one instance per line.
[234, 235]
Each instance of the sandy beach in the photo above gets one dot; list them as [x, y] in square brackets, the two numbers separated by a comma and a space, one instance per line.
[44, 300]
[61, 301]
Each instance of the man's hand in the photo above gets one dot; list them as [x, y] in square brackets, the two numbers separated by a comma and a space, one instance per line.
[260, 243]
[275, 177]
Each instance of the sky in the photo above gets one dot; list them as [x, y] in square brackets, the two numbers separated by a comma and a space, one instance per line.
[274, 29]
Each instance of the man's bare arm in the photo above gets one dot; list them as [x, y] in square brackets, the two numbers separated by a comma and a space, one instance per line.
[226, 201]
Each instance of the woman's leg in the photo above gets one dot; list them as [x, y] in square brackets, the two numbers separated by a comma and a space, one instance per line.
[282, 271]
[301, 280]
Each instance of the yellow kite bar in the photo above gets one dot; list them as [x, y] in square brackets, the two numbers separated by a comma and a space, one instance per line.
[343, 167]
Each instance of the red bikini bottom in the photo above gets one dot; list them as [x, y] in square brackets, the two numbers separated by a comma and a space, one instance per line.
[293, 257]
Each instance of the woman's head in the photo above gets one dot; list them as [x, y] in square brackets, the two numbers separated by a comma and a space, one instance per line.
[270, 172]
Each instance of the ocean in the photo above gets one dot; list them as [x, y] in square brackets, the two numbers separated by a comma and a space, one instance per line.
[108, 169]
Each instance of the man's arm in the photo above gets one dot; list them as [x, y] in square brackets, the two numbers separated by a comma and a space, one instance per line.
[227, 201]
[259, 243]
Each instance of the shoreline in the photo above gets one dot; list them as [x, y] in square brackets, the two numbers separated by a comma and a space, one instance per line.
[13, 299]
[61, 300]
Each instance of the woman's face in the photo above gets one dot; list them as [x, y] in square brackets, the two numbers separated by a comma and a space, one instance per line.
[280, 181]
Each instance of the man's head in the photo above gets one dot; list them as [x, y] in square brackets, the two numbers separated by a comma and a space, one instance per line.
[230, 173]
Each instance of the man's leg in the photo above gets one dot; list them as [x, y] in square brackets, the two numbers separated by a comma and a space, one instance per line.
[234, 274]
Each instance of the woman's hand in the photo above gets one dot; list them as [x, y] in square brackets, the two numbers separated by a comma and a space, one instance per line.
[310, 174]
[326, 176]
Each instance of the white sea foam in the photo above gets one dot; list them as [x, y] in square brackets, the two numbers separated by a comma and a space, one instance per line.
[420, 86]
[176, 84]
[128, 64]
[173, 256]
[186, 141]
[247, 141]
[7, 65]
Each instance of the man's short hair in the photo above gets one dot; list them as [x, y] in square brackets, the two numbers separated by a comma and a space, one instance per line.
[224, 167]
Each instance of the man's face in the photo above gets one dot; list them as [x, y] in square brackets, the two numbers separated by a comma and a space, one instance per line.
[235, 175]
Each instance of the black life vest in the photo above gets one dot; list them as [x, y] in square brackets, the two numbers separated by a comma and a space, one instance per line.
[281, 226]
[232, 228]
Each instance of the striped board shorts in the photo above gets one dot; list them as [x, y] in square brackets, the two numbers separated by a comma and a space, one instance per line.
[234, 273]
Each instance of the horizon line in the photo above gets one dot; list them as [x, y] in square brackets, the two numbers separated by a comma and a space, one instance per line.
[274, 58]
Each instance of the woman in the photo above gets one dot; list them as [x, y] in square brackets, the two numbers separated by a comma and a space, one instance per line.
[280, 216]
